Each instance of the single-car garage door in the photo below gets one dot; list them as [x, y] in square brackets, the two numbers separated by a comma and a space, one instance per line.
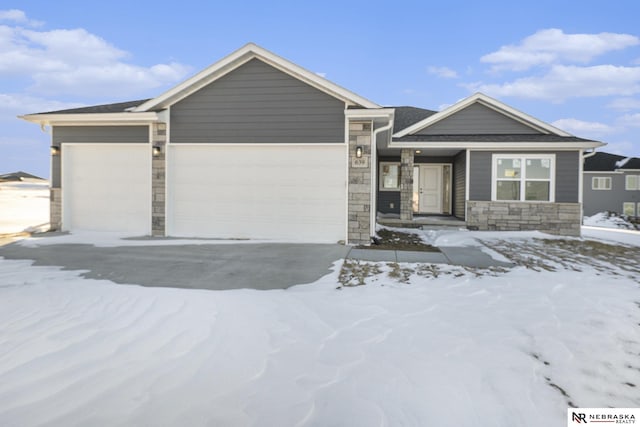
[106, 187]
[292, 193]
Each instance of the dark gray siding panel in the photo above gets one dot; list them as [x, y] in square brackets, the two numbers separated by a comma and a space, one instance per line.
[257, 103]
[389, 202]
[608, 200]
[480, 176]
[459, 172]
[477, 119]
[93, 134]
[567, 176]
[115, 134]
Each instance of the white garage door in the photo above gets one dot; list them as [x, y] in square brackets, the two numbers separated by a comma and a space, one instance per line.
[106, 187]
[292, 193]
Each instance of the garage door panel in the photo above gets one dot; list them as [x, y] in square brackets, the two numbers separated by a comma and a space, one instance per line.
[107, 187]
[294, 193]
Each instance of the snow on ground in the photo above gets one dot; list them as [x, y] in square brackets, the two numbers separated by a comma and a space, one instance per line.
[455, 347]
[608, 220]
[24, 206]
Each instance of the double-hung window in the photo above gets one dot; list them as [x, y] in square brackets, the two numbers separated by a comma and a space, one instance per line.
[632, 182]
[601, 183]
[523, 177]
[389, 176]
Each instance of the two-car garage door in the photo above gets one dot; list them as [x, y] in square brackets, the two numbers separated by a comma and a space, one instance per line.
[282, 192]
[276, 192]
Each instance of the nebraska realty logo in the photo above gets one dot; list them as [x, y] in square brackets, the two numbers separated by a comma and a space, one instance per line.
[581, 416]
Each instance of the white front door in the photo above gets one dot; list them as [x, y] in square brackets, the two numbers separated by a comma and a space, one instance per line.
[430, 189]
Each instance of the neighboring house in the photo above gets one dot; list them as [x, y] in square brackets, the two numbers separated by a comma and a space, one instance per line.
[612, 183]
[257, 147]
[20, 176]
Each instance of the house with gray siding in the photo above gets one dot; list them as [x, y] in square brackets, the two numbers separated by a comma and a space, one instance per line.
[257, 147]
[611, 184]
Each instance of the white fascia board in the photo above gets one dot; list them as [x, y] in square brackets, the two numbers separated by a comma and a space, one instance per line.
[489, 102]
[91, 118]
[605, 172]
[370, 113]
[238, 58]
[502, 146]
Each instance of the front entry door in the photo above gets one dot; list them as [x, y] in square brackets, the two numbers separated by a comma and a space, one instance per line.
[430, 189]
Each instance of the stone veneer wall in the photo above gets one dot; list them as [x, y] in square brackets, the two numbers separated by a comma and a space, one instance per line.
[406, 184]
[55, 209]
[359, 220]
[158, 180]
[554, 218]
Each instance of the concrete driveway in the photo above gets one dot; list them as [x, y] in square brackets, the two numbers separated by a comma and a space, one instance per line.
[215, 267]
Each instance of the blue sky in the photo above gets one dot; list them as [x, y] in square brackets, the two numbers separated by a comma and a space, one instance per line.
[573, 64]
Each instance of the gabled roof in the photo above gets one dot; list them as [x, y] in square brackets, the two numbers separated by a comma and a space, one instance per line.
[607, 162]
[489, 102]
[118, 107]
[407, 116]
[236, 59]
[498, 138]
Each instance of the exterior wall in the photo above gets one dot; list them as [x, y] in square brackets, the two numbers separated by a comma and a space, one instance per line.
[92, 134]
[256, 103]
[459, 182]
[553, 218]
[359, 200]
[158, 181]
[566, 181]
[477, 119]
[608, 200]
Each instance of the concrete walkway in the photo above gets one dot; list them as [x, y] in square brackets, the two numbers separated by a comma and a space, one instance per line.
[467, 256]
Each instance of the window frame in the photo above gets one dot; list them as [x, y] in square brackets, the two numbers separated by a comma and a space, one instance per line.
[633, 205]
[381, 176]
[523, 179]
[626, 182]
[598, 179]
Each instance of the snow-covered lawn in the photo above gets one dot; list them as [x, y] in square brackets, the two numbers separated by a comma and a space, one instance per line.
[456, 348]
[24, 206]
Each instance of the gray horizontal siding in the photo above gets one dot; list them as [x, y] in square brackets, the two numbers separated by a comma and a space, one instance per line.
[608, 200]
[477, 119]
[566, 180]
[257, 103]
[93, 134]
[459, 182]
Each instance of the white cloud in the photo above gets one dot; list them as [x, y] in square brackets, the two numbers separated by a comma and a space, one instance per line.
[550, 46]
[18, 16]
[563, 82]
[76, 62]
[13, 104]
[630, 120]
[624, 104]
[443, 72]
[580, 127]
[622, 148]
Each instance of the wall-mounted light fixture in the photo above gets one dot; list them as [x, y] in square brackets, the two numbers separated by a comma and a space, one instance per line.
[359, 151]
[418, 151]
[157, 150]
[55, 150]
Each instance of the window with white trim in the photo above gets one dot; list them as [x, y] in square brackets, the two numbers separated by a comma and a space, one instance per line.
[629, 208]
[523, 177]
[389, 176]
[601, 183]
[632, 182]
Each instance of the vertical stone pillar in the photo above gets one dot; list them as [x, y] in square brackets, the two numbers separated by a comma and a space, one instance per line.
[359, 216]
[406, 184]
[55, 209]
[158, 180]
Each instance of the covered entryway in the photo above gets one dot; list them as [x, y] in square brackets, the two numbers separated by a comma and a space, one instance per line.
[106, 187]
[278, 192]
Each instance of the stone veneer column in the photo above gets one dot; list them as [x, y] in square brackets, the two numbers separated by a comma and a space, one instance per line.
[359, 226]
[55, 209]
[406, 184]
[158, 180]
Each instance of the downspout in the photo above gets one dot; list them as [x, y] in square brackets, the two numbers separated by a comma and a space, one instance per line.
[587, 155]
[374, 180]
